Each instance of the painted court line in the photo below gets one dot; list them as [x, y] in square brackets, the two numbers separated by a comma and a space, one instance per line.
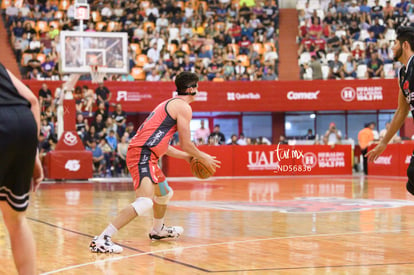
[217, 244]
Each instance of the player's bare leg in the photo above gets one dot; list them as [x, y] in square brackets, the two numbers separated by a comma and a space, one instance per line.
[163, 194]
[21, 239]
[139, 207]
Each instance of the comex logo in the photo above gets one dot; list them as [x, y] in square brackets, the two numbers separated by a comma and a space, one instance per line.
[309, 159]
[348, 94]
[72, 165]
[292, 95]
[70, 139]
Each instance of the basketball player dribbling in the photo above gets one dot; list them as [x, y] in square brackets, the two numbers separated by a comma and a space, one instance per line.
[403, 51]
[147, 146]
[20, 167]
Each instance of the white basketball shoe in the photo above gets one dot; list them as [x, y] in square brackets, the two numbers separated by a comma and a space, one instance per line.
[170, 232]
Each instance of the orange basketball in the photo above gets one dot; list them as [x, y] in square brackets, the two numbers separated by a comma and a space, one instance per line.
[199, 170]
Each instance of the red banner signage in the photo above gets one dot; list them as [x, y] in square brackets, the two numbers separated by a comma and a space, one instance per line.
[271, 160]
[68, 165]
[239, 96]
[393, 161]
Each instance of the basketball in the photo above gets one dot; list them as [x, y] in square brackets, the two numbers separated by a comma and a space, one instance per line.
[199, 170]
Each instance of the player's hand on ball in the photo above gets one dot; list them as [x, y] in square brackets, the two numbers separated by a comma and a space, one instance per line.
[210, 162]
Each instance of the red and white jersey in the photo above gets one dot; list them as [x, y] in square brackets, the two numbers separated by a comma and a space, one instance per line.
[157, 130]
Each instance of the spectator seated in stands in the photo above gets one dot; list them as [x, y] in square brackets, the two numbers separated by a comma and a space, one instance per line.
[375, 67]
[377, 11]
[377, 28]
[336, 68]
[269, 75]
[48, 67]
[350, 67]
[97, 158]
[45, 97]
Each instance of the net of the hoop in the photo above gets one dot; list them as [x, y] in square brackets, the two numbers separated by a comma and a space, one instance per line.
[97, 73]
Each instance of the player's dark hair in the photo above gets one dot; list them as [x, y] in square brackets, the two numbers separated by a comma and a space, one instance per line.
[406, 34]
[185, 80]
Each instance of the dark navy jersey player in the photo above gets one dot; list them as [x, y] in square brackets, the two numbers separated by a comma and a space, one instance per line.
[20, 167]
[403, 52]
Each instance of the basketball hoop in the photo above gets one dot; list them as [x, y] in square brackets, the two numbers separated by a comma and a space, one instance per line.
[97, 73]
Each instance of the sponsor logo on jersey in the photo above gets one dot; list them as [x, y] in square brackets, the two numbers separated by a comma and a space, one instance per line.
[232, 96]
[292, 95]
[72, 165]
[70, 139]
[156, 138]
[406, 85]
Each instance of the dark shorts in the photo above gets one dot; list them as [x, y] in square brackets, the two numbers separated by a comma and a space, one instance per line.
[142, 162]
[18, 143]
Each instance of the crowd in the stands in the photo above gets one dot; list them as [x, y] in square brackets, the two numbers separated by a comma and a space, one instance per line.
[350, 39]
[218, 39]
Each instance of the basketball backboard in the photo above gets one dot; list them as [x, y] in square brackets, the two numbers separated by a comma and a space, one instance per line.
[80, 50]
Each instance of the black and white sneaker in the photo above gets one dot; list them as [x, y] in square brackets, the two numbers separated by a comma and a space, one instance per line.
[104, 245]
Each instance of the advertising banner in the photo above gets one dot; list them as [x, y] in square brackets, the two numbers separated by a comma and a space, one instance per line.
[240, 96]
[271, 160]
[68, 165]
[393, 161]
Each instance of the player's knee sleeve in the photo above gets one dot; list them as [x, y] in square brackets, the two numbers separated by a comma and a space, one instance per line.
[166, 193]
[141, 205]
[410, 175]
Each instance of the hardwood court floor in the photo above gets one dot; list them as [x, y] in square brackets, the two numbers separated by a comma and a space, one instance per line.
[274, 225]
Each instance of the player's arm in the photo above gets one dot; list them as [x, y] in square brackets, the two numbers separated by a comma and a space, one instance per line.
[175, 153]
[184, 114]
[183, 126]
[396, 123]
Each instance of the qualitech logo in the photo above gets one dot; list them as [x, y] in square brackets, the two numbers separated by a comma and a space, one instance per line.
[292, 95]
[383, 160]
[231, 96]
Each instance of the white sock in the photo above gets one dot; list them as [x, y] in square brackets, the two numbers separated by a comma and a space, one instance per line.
[109, 231]
[158, 223]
